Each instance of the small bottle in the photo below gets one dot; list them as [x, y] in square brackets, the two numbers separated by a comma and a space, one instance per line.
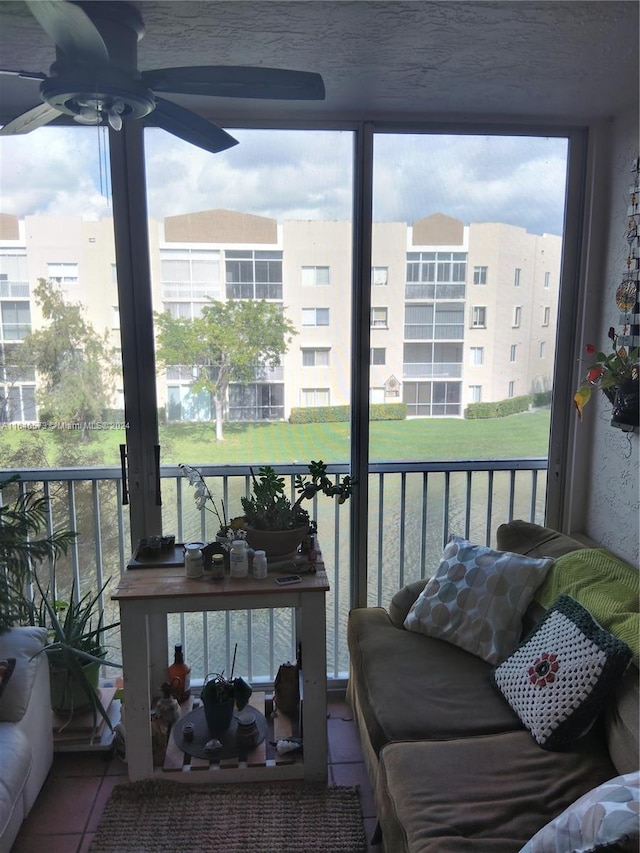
[193, 565]
[180, 676]
[312, 556]
[217, 567]
[260, 564]
[238, 559]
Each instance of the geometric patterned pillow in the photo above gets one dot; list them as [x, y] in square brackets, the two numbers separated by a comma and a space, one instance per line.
[606, 815]
[7, 666]
[558, 680]
[477, 598]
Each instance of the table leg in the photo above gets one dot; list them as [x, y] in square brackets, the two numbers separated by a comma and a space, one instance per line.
[135, 662]
[314, 679]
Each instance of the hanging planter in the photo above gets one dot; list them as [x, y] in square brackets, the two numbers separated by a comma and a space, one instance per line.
[626, 412]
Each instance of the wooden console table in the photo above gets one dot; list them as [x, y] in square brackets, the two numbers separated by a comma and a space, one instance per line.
[147, 595]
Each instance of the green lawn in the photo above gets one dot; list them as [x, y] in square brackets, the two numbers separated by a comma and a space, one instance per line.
[518, 436]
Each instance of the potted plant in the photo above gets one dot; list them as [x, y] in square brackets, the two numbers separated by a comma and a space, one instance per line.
[272, 522]
[613, 373]
[76, 649]
[22, 547]
[220, 696]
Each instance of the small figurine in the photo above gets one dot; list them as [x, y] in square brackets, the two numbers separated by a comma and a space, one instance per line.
[167, 708]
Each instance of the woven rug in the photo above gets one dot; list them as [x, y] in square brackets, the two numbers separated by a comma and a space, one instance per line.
[171, 817]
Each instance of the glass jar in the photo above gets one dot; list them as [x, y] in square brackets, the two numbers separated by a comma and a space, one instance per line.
[193, 565]
[217, 567]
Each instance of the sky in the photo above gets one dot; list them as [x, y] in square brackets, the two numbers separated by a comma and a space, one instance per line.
[296, 175]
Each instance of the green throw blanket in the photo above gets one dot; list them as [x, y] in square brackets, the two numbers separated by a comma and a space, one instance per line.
[606, 586]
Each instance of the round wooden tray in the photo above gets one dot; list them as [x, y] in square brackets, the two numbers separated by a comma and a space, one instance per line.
[201, 734]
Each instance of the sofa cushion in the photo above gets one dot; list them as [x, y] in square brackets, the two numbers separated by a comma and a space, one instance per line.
[403, 601]
[15, 761]
[7, 665]
[477, 598]
[602, 583]
[622, 723]
[410, 686]
[21, 644]
[534, 540]
[604, 816]
[487, 794]
[559, 679]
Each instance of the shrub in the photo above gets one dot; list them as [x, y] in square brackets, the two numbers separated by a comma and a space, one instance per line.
[499, 409]
[542, 398]
[342, 414]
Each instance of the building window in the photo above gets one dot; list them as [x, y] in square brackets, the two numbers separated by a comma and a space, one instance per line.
[14, 282]
[436, 275]
[315, 357]
[259, 401]
[546, 314]
[314, 397]
[517, 316]
[315, 316]
[253, 275]
[379, 276]
[379, 318]
[426, 399]
[512, 353]
[16, 320]
[479, 317]
[115, 317]
[63, 273]
[480, 275]
[512, 389]
[315, 276]
[476, 355]
[543, 347]
[475, 393]
[547, 280]
[194, 273]
[516, 277]
[377, 355]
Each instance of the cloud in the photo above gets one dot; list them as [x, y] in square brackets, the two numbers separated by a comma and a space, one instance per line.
[294, 174]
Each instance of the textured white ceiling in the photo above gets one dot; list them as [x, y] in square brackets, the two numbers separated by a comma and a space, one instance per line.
[567, 61]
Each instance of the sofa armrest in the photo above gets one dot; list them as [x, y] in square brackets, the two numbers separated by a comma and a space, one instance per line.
[23, 644]
[402, 601]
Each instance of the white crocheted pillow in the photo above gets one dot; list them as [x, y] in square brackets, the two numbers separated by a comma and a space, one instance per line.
[558, 680]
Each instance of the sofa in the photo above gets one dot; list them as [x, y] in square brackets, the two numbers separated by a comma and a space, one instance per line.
[456, 764]
[26, 733]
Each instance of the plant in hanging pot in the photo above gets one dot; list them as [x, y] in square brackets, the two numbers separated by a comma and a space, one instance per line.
[272, 522]
[76, 650]
[608, 373]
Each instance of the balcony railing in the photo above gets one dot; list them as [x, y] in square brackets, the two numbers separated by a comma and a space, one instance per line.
[413, 509]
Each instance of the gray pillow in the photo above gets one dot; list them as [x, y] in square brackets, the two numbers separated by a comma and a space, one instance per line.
[606, 815]
[477, 598]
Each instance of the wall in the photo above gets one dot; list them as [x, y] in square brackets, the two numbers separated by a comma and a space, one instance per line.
[612, 509]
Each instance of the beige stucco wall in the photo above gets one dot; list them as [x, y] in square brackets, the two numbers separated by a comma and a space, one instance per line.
[610, 510]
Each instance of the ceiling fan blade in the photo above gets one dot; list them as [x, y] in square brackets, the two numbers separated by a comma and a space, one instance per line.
[32, 119]
[71, 29]
[24, 75]
[237, 82]
[191, 127]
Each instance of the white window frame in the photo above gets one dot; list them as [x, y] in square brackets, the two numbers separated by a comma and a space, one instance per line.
[546, 315]
[382, 350]
[476, 356]
[480, 275]
[478, 320]
[379, 318]
[310, 316]
[512, 353]
[379, 276]
[475, 393]
[516, 276]
[517, 316]
[316, 354]
[310, 275]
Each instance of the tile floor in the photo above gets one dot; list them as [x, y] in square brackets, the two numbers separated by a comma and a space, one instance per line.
[68, 810]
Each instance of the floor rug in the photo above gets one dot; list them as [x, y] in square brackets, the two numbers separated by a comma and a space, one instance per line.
[167, 817]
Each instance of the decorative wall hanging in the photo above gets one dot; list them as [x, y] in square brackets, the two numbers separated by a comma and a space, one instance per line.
[616, 374]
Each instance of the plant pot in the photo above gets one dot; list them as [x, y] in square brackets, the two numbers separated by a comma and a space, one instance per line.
[218, 715]
[67, 694]
[625, 413]
[278, 544]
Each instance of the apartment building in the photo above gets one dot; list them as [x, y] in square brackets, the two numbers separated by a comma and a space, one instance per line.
[459, 313]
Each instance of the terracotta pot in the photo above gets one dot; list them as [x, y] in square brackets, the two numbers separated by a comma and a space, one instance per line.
[278, 544]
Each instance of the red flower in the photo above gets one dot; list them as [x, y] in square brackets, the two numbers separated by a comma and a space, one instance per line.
[594, 374]
[591, 349]
[543, 671]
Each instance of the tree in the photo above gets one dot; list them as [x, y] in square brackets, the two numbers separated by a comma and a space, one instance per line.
[74, 363]
[225, 344]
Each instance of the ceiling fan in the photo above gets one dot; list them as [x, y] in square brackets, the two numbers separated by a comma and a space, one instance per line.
[95, 77]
